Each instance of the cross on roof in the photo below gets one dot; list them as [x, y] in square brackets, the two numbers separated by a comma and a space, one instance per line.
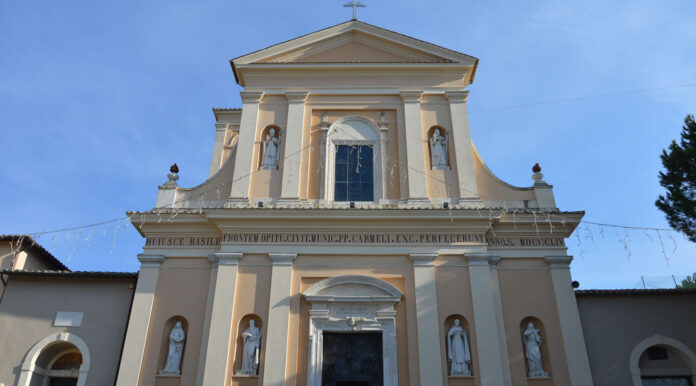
[355, 4]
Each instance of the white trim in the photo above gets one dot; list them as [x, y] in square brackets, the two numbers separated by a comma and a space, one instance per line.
[29, 365]
[341, 304]
[633, 362]
[334, 138]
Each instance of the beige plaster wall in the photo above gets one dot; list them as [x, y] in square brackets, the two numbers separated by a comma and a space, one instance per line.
[435, 112]
[273, 110]
[613, 325]
[492, 188]
[182, 290]
[454, 298]
[526, 291]
[104, 302]
[251, 298]
[396, 270]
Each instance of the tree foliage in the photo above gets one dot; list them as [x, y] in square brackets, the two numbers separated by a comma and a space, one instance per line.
[679, 178]
[689, 282]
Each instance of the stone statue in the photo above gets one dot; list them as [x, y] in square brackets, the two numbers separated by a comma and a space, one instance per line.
[532, 350]
[458, 350]
[271, 150]
[438, 150]
[176, 348]
[250, 356]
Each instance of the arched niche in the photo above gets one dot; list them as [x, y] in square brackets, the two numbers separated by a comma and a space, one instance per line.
[449, 322]
[164, 343]
[355, 132]
[443, 133]
[244, 324]
[62, 355]
[544, 347]
[349, 304]
[669, 358]
[261, 149]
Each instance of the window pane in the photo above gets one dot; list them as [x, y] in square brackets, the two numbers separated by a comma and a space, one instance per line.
[354, 173]
[340, 193]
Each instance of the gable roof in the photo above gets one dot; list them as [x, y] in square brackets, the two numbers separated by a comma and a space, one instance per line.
[370, 45]
[30, 244]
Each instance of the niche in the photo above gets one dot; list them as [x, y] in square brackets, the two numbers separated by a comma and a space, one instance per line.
[269, 148]
[164, 344]
[438, 148]
[244, 325]
[543, 347]
[458, 370]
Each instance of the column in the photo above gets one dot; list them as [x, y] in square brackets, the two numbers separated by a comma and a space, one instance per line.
[278, 319]
[415, 157]
[463, 151]
[429, 350]
[290, 188]
[485, 320]
[323, 162]
[219, 333]
[383, 130]
[569, 317]
[139, 322]
[500, 323]
[206, 321]
[243, 165]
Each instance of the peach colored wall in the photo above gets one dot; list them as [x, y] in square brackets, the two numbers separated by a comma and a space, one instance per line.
[526, 290]
[314, 170]
[435, 112]
[492, 188]
[273, 110]
[393, 269]
[454, 298]
[182, 289]
[251, 297]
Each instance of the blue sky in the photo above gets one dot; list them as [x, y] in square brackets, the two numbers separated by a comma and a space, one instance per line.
[97, 99]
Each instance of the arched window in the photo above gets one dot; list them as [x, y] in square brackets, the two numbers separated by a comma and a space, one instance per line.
[57, 360]
[353, 161]
[662, 361]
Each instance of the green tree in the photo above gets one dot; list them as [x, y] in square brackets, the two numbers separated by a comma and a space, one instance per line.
[689, 282]
[679, 178]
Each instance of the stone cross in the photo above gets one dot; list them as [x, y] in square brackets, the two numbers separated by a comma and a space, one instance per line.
[355, 4]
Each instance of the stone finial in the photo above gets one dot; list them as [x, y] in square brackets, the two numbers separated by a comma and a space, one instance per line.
[537, 176]
[173, 176]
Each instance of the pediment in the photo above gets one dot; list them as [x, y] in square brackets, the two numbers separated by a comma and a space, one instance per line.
[354, 42]
[352, 288]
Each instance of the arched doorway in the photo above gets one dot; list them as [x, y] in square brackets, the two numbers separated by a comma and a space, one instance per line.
[663, 361]
[57, 360]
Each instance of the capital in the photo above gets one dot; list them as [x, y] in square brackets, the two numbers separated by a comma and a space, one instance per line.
[226, 258]
[477, 259]
[411, 96]
[296, 96]
[150, 261]
[282, 258]
[558, 262]
[457, 96]
[423, 259]
[251, 96]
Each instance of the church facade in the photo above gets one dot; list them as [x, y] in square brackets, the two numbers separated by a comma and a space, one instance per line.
[349, 233]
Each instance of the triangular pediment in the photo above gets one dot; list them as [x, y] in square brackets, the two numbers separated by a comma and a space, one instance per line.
[355, 42]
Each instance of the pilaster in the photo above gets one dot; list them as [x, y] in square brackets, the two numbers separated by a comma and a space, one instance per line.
[290, 188]
[463, 152]
[427, 316]
[278, 319]
[415, 157]
[219, 333]
[500, 323]
[245, 146]
[485, 320]
[569, 317]
[139, 322]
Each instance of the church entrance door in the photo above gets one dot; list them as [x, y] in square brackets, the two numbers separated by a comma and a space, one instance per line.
[352, 359]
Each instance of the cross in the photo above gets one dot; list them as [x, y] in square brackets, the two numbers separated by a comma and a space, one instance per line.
[355, 4]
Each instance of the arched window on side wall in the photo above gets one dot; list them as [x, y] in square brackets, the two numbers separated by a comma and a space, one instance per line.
[663, 361]
[58, 360]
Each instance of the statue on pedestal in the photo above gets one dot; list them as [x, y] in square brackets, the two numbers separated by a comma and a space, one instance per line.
[532, 350]
[438, 150]
[271, 150]
[458, 350]
[176, 349]
[250, 355]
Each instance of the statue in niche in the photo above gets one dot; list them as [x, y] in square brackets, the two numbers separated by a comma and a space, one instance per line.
[250, 355]
[271, 150]
[458, 350]
[176, 349]
[438, 150]
[532, 350]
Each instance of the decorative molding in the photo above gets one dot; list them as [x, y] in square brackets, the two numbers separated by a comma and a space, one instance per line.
[478, 258]
[643, 345]
[457, 96]
[423, 259]
[251, 96]
[411, 96]
[558, 262]
[228, 258]
[282, 258]
[493, 261]
[29, 365]
[150, 261]
[297, 96]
